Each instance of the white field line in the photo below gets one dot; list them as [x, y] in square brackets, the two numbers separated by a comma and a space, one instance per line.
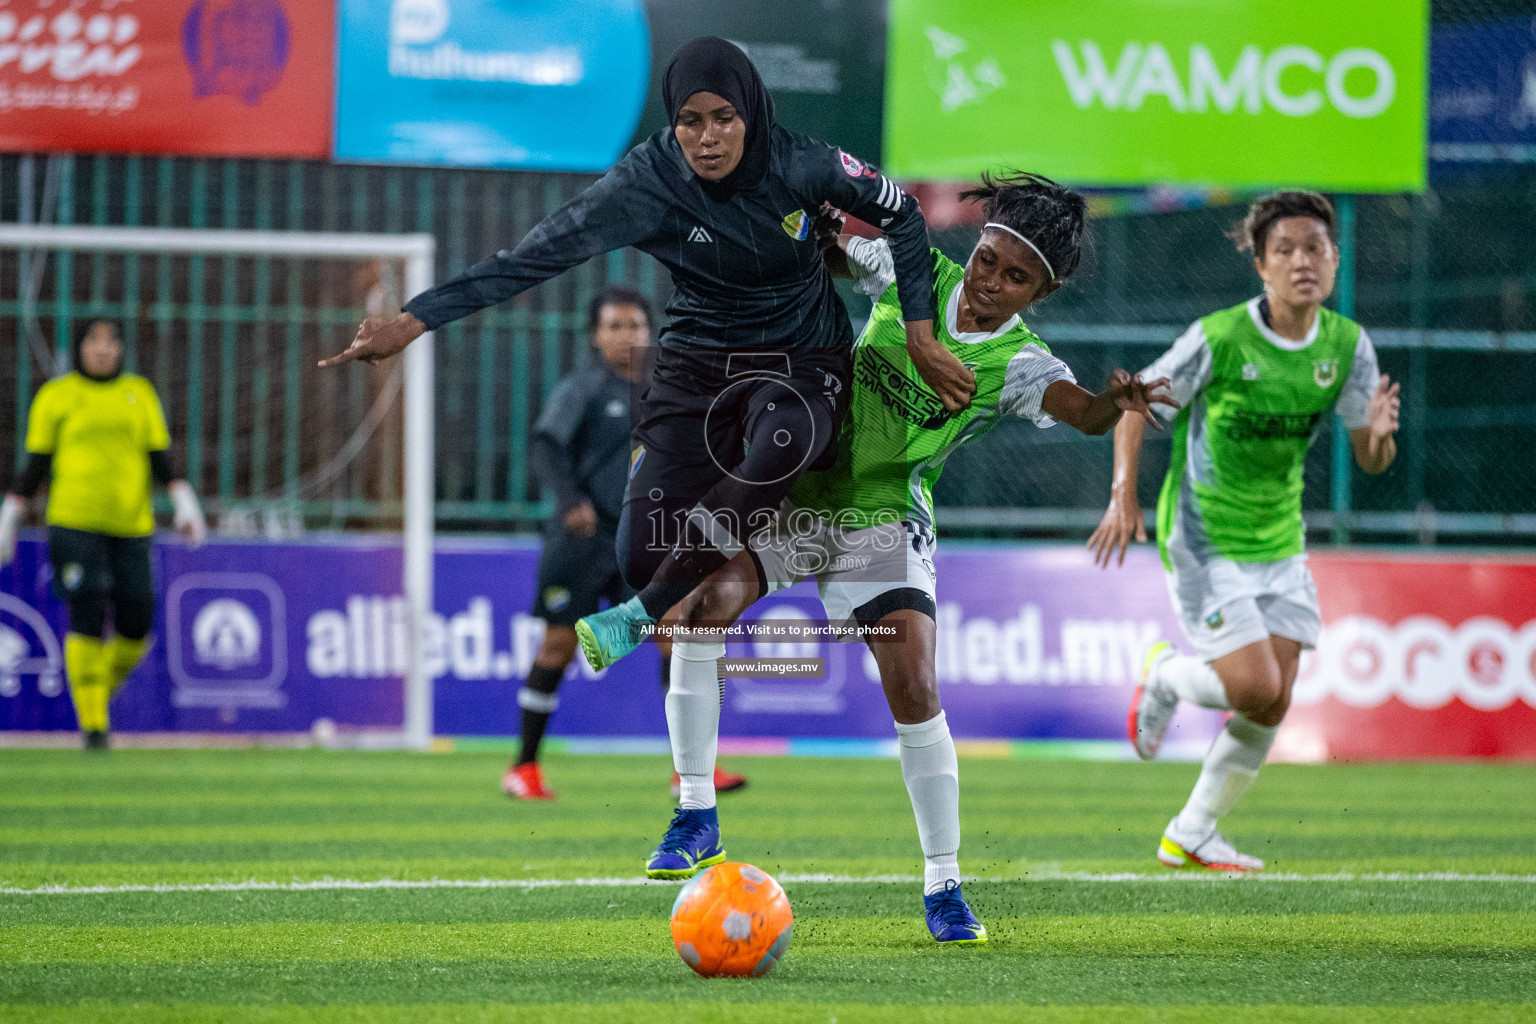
[325, 884]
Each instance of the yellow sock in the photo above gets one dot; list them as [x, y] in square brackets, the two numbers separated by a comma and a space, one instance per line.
[85, 662]
[122, 655]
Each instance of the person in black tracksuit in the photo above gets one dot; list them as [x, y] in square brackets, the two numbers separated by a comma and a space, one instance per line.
[752, 374]
[580, 449]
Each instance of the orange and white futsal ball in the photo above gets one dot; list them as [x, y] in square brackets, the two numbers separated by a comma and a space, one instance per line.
[733, 921]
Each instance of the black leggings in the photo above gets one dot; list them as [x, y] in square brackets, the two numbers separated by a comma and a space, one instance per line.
[94, 570]
[730, 432]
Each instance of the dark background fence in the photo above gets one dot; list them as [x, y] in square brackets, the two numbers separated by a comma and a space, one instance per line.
[1445, 282]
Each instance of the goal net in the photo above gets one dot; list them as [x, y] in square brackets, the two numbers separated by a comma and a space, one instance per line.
[228, 326]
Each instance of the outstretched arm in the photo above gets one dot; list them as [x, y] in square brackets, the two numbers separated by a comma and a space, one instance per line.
[1096, 414]
[1184, 370]
[599, 220]
[1123, 521]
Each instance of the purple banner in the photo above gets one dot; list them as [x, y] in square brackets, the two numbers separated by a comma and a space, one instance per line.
[1033, 642]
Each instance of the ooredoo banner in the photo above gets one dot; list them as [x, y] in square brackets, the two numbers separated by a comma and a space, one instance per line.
[214, 77]
[1420, 657]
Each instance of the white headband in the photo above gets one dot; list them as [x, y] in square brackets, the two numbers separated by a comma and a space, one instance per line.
[1032, 245]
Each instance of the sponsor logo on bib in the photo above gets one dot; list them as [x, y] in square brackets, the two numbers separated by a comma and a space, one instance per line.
[1324, 372]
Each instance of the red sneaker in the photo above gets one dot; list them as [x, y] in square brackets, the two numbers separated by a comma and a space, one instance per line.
[725, 782]
[526, 782]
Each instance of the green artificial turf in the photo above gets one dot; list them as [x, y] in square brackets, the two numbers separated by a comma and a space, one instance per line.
[1057, 848]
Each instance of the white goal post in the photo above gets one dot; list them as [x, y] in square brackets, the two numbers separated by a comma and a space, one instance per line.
[416, 252]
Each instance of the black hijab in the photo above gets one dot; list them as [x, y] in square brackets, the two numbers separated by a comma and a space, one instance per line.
[710, 64]
[79, 363]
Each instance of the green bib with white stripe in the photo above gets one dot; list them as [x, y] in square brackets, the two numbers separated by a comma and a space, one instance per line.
[897, 435]
[1234, 485]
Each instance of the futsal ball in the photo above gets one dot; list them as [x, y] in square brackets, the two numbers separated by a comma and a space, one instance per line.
[733, 921]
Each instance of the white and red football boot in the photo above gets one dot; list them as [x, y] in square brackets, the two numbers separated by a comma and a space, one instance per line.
[526, 782]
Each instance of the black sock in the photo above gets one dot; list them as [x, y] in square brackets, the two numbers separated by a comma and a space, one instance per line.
[538, 701]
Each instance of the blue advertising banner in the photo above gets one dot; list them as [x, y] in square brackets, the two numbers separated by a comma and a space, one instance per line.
[538, 84]
[269, 637]
[1483, 91]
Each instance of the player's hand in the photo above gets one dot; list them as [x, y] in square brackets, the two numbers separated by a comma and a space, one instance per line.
[1134, 395]
[11, 512]
[187, 514]
[1384, 408]
[1121, 524]
[940, 369]
[828, 226]
[380, 337]
[581, 520]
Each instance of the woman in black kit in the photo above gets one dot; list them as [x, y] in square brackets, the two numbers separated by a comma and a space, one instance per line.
[752, 374]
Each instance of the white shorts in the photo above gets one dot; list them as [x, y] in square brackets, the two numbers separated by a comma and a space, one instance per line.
[860, 573]
[1225, 605]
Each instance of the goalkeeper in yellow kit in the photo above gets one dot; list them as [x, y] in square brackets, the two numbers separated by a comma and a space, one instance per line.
[99, 436]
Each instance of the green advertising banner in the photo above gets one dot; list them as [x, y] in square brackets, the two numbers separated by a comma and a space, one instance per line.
[1231, 93]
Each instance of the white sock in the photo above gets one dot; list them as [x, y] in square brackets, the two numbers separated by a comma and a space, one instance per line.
[932, 774]
[1191, 679]
[693, 719]
[1230, 767]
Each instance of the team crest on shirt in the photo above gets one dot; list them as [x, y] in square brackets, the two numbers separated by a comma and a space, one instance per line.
[852, 164]
[74, 573]
[1215, 620]
[556, 598]
[1324, 372]
[1250, 371]
[797, 226]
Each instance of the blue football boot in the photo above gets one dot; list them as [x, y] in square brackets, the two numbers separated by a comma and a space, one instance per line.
[950, 918]
[692, 843]
[612, 633]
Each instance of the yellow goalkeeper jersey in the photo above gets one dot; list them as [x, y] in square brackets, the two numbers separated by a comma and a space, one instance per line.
[100, 434]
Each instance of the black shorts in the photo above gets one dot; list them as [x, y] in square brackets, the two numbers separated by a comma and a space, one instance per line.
[100, 565]
[694, 423]
[575, 573]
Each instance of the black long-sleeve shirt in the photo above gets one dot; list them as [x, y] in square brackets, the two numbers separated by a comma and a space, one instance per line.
[743, 274]
[580, 444]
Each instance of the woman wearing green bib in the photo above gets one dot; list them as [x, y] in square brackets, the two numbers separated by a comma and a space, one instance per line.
[1256, 383]
[863, 528]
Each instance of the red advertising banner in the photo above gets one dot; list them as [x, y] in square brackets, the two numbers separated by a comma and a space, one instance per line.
[194, 77]
[1420, 657]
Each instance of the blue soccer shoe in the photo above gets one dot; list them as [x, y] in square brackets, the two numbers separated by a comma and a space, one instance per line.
[692, 843]
[612, 633]
[950, 918]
